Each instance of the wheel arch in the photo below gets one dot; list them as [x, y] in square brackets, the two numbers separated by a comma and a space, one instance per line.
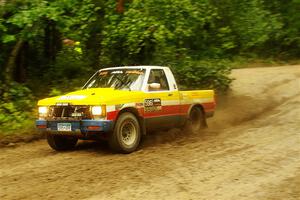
[198, 106]
[135, 112]
[203, 112]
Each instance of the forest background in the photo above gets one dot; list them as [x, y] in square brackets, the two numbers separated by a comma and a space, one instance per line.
[49, 47]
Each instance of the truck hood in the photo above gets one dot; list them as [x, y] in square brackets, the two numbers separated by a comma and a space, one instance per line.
[93, 96]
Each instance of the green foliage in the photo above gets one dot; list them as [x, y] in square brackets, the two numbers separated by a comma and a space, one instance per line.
[150, 29]
[175, 33]
[69, 72]
[55, 92]
[287, 40]
[69, 65]
[70, 16]
[16, 104]
[250, 23]
[205, 74]
[8, 38]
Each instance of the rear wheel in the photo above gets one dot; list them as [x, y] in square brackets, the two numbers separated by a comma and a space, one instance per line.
[196, 121]
[126, 135]
[60, 142]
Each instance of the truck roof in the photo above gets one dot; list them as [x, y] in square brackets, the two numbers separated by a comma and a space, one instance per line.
[135, 67]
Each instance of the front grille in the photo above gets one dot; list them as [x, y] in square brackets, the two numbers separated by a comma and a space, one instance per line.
[74, 112]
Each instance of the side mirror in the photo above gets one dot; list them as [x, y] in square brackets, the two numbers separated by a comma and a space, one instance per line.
[154, 86]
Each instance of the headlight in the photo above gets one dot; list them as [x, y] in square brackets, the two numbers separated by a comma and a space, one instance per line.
[43, 110]
[97, 110]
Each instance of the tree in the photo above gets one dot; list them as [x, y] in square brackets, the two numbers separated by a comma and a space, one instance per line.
[48, 22]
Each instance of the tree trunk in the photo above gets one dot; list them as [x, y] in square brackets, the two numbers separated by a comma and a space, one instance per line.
[52, 43]
[21, 64]
[120, 6]
[49, 47]
[11, 62]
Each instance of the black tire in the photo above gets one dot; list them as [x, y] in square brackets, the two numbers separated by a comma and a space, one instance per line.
[196, 121]
[126, 135]
[60, 142]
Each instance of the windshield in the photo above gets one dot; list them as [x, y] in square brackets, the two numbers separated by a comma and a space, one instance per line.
[121, 79]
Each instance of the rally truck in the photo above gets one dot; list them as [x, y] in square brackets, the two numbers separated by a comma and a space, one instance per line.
[121, 104]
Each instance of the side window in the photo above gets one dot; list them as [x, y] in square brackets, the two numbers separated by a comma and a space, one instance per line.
[158, 76]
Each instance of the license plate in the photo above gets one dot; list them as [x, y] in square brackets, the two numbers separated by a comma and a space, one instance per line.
[64, 126]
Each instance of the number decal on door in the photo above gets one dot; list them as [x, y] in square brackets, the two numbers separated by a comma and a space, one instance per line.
[152, 105]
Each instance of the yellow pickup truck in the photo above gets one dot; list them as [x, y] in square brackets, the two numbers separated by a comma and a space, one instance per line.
[120, 105]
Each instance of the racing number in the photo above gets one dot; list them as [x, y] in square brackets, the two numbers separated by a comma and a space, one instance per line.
[152, 105]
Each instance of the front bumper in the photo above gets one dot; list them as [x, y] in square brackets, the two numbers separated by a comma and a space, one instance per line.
[79, 126]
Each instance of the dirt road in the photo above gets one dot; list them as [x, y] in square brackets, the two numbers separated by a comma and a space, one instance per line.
[251, 151]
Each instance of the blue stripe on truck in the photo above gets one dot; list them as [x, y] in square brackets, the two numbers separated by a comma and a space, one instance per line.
[104, 125]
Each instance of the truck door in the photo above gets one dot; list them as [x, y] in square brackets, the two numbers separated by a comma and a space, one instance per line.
[161, 106]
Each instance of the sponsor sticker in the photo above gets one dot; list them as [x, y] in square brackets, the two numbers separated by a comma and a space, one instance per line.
[117, 72]
[72, 97]
[103, 73]
[152, 105]
[138, 72]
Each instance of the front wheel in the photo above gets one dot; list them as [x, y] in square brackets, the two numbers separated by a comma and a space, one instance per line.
[126, 135]
[196, 121]
[60, 142]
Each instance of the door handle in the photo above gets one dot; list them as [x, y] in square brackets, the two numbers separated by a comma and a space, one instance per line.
[170, 95]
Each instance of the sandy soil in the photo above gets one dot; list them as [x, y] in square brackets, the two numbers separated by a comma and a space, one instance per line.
[251, 150]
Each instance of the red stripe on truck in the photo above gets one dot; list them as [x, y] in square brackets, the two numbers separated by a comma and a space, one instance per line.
[112, 115]
[166, 111]
[209, 106]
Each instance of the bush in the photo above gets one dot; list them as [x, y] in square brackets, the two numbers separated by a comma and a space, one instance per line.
[69, 72]
[206, 74]
[69, 69]
[16, 105]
